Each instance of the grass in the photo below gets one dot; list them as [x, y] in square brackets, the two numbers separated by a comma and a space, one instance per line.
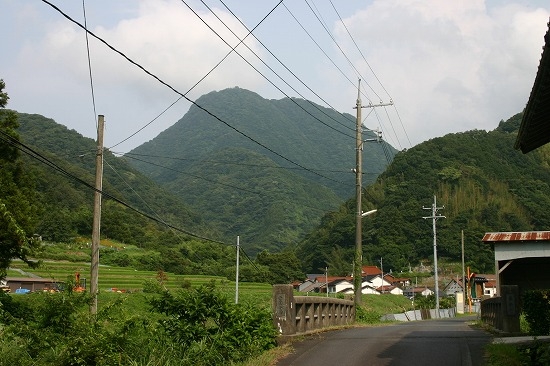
[500, 354]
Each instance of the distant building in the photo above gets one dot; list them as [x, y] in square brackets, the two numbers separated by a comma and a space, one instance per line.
[31, 284]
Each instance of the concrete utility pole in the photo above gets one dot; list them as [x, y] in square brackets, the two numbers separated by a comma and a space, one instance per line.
[358, 262]
[434, 218]
[97, 216]
[463, 274]
[237, 273]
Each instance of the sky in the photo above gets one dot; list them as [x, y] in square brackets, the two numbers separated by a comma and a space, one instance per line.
[447, 66]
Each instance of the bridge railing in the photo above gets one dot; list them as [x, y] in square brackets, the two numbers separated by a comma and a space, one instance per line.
[302, 314]
[503, 312]
[491, 312]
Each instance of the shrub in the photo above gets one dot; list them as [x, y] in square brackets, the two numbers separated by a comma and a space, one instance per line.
[210, 330]
[536, 306]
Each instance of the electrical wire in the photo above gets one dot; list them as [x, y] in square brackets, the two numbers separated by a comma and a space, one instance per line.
[36, 155]
[271, 69]
[228, 162]
[89, 62]
[181, 94]
[258, 193]
[358, 74]
[373, 73]
[290, 71]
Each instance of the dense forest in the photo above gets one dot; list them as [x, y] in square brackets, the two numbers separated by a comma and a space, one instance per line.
[265, 170]
[482, 182]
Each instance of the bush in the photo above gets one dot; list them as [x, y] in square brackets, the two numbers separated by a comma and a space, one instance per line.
[536, 306]
[367, 316]
[210, 330]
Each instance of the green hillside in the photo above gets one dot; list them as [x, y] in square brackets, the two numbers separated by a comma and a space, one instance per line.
[483, 183]
[220, 169]
[65, 203]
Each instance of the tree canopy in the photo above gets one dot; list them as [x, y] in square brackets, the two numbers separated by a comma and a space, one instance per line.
[17, 211]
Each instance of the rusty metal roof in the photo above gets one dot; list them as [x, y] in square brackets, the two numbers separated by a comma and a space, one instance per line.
[516, 236]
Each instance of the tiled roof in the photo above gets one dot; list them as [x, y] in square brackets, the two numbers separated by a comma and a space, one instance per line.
[371, 270]
[534, 130]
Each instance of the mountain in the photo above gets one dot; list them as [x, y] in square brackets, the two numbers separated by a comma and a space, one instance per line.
[265, 170]
[482, 182]
[66, 203]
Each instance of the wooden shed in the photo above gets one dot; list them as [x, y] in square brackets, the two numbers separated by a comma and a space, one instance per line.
[521, 258]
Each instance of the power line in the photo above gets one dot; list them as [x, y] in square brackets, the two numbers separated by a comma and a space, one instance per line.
[341, 50]
[373, 73]
[270, 68]
[292, 73]
[36, 155]
[181, 94]
[231, 163]
[89, 61]
[259, 193]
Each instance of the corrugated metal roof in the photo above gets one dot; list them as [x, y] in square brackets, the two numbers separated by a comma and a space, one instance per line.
[517, 236]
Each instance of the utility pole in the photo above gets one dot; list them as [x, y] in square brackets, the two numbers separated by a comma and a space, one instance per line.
[358, 262]
[434, 218]
[326, 279]
[463, 275]
[237, 273]
[94, 276]
[382, 269]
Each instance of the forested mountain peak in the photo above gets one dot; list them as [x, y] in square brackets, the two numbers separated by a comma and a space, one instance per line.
[263, 169]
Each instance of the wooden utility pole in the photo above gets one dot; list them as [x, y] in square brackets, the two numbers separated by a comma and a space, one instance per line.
[94, 276]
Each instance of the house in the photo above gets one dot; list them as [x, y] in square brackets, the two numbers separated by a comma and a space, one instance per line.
[379, 281]
[366, 289]
[453, 287]
[390, 289]
[490, 287]
[367, 271]
[534, 129]
[416, 291]
[340, 285]
[397, 281]
[521, 258]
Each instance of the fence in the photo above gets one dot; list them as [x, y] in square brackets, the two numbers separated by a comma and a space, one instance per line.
[302, 314]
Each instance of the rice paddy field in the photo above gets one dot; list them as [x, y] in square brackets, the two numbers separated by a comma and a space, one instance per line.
[128, 280]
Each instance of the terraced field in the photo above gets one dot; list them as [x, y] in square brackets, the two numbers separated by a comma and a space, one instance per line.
[130, 280]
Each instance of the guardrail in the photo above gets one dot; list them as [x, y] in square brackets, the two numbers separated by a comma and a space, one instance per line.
[294, 315]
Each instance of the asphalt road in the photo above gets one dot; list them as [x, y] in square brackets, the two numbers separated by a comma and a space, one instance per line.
[442, 342]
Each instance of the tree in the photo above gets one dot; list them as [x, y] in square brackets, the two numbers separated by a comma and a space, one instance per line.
[17, 213]
[284, 267]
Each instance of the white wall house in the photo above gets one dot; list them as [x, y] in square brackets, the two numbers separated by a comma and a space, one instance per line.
[378, 281]
[340, 286]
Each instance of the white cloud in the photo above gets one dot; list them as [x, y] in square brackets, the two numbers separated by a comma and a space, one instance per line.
[166, 39]
[450, 66]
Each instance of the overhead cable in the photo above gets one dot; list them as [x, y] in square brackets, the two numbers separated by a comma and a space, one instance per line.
[181, 94]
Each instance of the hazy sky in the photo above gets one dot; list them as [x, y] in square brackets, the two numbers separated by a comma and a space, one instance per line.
[449, 66]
